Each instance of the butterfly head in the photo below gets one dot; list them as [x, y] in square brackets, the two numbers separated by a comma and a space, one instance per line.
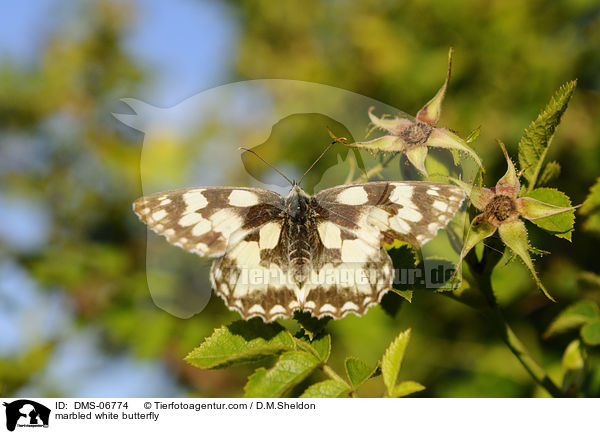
[296, 203]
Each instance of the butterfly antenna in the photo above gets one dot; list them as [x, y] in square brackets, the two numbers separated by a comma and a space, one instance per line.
[335, 140]
[267, 163]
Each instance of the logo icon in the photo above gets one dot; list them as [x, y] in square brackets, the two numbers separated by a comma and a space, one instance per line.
[26, 413]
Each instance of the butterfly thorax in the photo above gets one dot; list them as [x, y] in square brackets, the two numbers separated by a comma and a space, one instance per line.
[298, 228]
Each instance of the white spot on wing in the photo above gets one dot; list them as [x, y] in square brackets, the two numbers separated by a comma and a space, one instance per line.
[330, 234]
[190, 219]
[257, 308]
[410, 214]
[399, 225]
[246, 253]
[439, 205]
[432, 227]
[269, 235]
[201, 228]
[353, 251]
[277, 309]
[194, 200]
[201, 248]
[159, 215]
[309, 304]
[353, 196]
[242, 198]
[349, 306]
[226, 222]
[402, 194]
[327, 308]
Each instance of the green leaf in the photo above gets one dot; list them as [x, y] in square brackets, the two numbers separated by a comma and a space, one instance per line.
[473, 135]
[514, 235]
[573, 364]
[291, 368]
[326, 389]
[561, 224]
[592, 201]
[406, 294]
[241, 342]
[392, 360]
[322, 346]
[536, 139]
[591, 208]
[358, 371]
[573, 316]
[590, 333]
[551, 171]
[406, 388]
[479, 230]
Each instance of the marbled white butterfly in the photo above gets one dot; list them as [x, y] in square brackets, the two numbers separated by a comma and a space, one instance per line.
[322, 254]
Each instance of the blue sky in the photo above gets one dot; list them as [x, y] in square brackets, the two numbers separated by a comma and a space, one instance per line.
[187, 46]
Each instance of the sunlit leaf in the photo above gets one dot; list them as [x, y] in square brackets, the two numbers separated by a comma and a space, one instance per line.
[573, 364]
[291, 368]
[552, 201]
[536, 139]
[406, 294]
[514, 235]
[551, 171]
[478, 231]
[573, 316]
[591, 209]
[240, 342]
[358, 371]
[392, 361]
[326, 389]
[322, 346]
[406, 388]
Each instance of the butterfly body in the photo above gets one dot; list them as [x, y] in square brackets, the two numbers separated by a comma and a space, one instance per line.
[322, 253]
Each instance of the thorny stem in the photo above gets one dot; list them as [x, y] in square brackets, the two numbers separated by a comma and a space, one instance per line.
[482, 272]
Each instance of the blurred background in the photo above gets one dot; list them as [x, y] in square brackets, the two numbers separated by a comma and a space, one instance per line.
[76, 315]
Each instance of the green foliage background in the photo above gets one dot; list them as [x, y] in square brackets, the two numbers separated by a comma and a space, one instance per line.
[510, 57]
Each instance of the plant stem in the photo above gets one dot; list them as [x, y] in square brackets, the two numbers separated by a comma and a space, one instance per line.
[508, 336]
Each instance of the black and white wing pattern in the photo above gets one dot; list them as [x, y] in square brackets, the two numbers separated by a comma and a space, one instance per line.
[208, 221]
[353, 222]
[242, 228]
[321, 254]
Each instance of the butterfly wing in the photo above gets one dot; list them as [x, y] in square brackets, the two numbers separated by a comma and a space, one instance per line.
[242, 228]
[410, 211]
[353, 222]
[208, 221]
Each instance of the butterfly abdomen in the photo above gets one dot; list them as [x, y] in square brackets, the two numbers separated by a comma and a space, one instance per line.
[299, 250]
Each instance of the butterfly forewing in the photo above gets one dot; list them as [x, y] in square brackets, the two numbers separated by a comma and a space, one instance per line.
[410, 211]
[208, 221]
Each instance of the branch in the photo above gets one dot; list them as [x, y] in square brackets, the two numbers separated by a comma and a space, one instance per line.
[483, 277]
